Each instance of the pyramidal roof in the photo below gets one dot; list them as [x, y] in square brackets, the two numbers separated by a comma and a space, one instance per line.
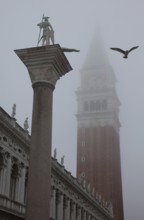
[96, 55]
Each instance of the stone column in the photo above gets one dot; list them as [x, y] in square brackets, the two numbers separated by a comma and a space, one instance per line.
[45, 66]
[73, 210]
[66, 208]
[53, 203]
[2, 179]
[17, 187]
[3, 165]
[60, 206]
[78, 213]
[89, 217]
[22, 184]
[83, 215]
[8, 175]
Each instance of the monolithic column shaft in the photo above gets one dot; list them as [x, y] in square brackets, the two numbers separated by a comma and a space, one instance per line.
[45, 65]
[40, 158]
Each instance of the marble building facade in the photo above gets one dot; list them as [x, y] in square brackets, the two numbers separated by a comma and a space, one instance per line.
[71, 199]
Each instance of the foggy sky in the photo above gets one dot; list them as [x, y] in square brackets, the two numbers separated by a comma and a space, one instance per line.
[75, 22]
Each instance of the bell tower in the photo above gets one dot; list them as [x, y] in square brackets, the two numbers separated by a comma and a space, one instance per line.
[98, 145]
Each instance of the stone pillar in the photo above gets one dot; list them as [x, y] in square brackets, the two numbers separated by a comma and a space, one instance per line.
[60, 205]
[89, 217]
[22, 184]
[53, 203]
[78, 213]
[18, 181]
[73, 210]
[3, 165]
[2, 180]
[17, 186]
[84, 215]
[45, 66]
[66, 208]
[8, 175]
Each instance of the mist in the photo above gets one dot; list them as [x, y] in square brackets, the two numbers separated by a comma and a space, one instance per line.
[75, 23]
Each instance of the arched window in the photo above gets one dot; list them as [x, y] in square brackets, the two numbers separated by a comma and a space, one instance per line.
[92, 106]
[104, 104]
[98, 105]
[86, 106]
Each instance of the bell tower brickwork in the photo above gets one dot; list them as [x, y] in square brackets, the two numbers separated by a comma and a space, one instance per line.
[98, 145]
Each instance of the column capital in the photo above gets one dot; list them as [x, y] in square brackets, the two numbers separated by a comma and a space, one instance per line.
[45, 64]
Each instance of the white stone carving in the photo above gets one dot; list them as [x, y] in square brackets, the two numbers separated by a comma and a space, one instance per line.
[47, 35]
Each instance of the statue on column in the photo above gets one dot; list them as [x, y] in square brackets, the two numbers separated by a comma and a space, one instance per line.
[55, 153]
[62, 160]
[47, 35]
[48, 32]
[26, 126]
[13, 111]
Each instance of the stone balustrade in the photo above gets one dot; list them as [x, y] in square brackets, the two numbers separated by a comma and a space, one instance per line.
[11, 206]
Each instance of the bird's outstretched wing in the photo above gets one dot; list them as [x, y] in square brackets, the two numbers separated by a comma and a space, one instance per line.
[133, 48]
[64, 49]
[118, 49]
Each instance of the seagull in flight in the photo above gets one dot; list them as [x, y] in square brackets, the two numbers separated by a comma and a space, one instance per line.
[125, 52]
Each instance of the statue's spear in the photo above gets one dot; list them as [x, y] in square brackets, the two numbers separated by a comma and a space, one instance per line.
[40, 32]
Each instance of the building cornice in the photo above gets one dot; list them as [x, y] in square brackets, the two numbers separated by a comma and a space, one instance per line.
[78, 191]
[14, 129]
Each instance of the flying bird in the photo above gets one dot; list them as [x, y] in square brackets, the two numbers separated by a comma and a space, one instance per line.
[125, 52]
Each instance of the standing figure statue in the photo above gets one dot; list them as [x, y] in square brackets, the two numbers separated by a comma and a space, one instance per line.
[26, 126]
[48, 32]
[62, 160]
[55, 153]
[13, 111]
